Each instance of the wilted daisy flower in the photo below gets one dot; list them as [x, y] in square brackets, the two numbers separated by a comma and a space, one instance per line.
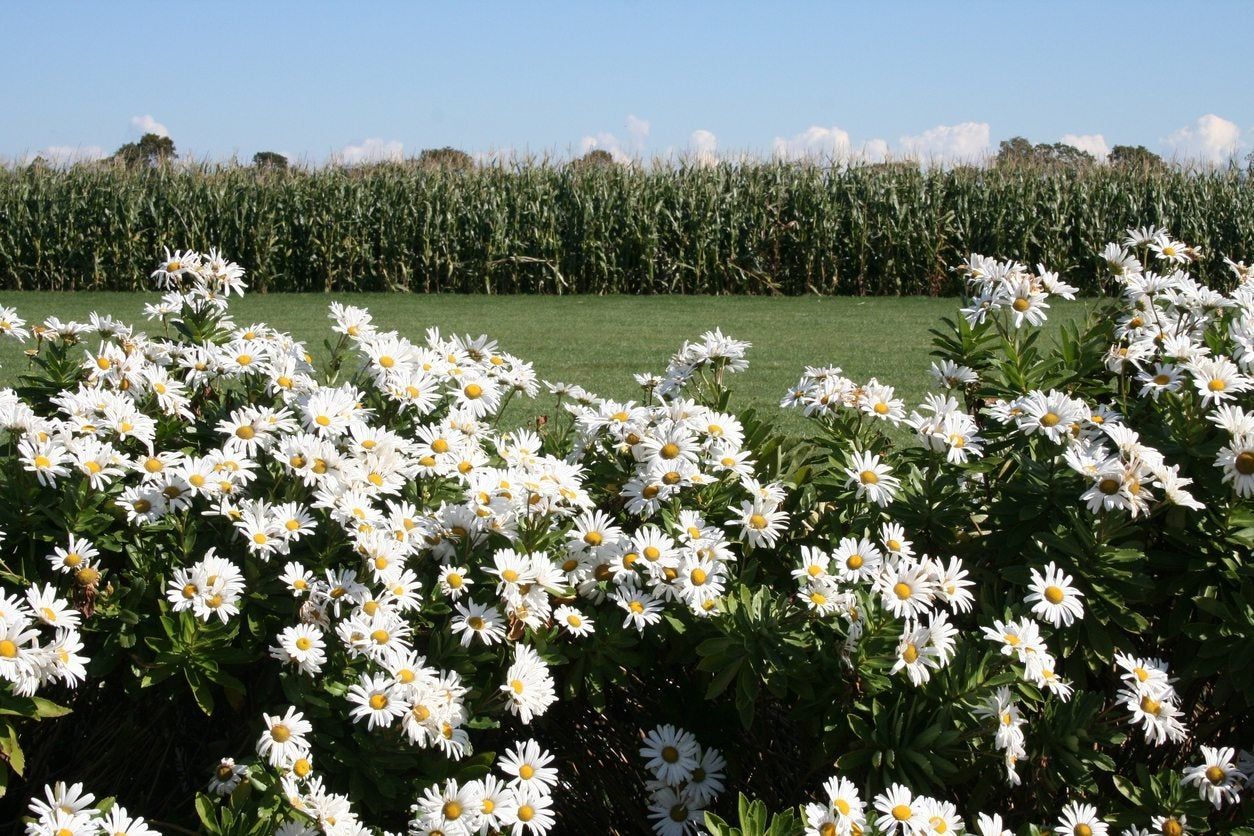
[227, 776]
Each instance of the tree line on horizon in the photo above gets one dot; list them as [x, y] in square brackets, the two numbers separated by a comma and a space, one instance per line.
[155, 150]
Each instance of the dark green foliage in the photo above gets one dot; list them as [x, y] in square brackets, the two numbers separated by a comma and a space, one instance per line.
[151, 150]
[270, 160]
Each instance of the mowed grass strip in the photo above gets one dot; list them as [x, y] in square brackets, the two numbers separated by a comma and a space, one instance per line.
[599, 341]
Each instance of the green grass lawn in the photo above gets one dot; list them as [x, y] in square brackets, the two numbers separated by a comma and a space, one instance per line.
[599, 341]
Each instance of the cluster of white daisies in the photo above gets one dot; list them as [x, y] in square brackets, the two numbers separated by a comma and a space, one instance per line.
[66, 810]
[519, 803]
[899, 811]
[919, 590]
[355, 464]
[686, 779]
[40, 643]
[994, 287]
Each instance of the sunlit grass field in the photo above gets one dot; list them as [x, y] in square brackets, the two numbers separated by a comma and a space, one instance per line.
[599, 341]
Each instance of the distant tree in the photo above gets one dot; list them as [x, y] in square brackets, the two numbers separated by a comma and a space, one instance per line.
[150, 150]
[1063, 154]
[1020, 151]
[596, 158]
[446, 158]
[1134, 156]
[1015, 151]
[40, 163]
[270, 160]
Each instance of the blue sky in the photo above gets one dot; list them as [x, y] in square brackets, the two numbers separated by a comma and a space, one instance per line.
[317, 79]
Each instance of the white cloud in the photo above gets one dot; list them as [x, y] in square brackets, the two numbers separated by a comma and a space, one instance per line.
[828, 144]
[622, 150]
[1211, 138]
[63, 155]
[372, 150]
[1094, 144]
[965, 142]
[147, 125]
[638, 130]
[605, 142]
[703, 147]
[814, 142]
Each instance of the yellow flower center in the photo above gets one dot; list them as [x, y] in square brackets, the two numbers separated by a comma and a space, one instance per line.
[1053, 594]
[1050, 419]
[757, 521]
[1214, 774]
[669, 450]
[901, 812]
[902, 590]
[1021, 304]
[378, 702]
[473, 391]
[280, 733]
[8, 649]
[869, 477]
[1245, 463]
[526, 771]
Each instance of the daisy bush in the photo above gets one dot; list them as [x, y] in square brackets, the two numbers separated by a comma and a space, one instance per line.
[251, 594]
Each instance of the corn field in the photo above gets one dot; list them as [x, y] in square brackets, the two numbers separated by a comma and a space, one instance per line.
[764, 228]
